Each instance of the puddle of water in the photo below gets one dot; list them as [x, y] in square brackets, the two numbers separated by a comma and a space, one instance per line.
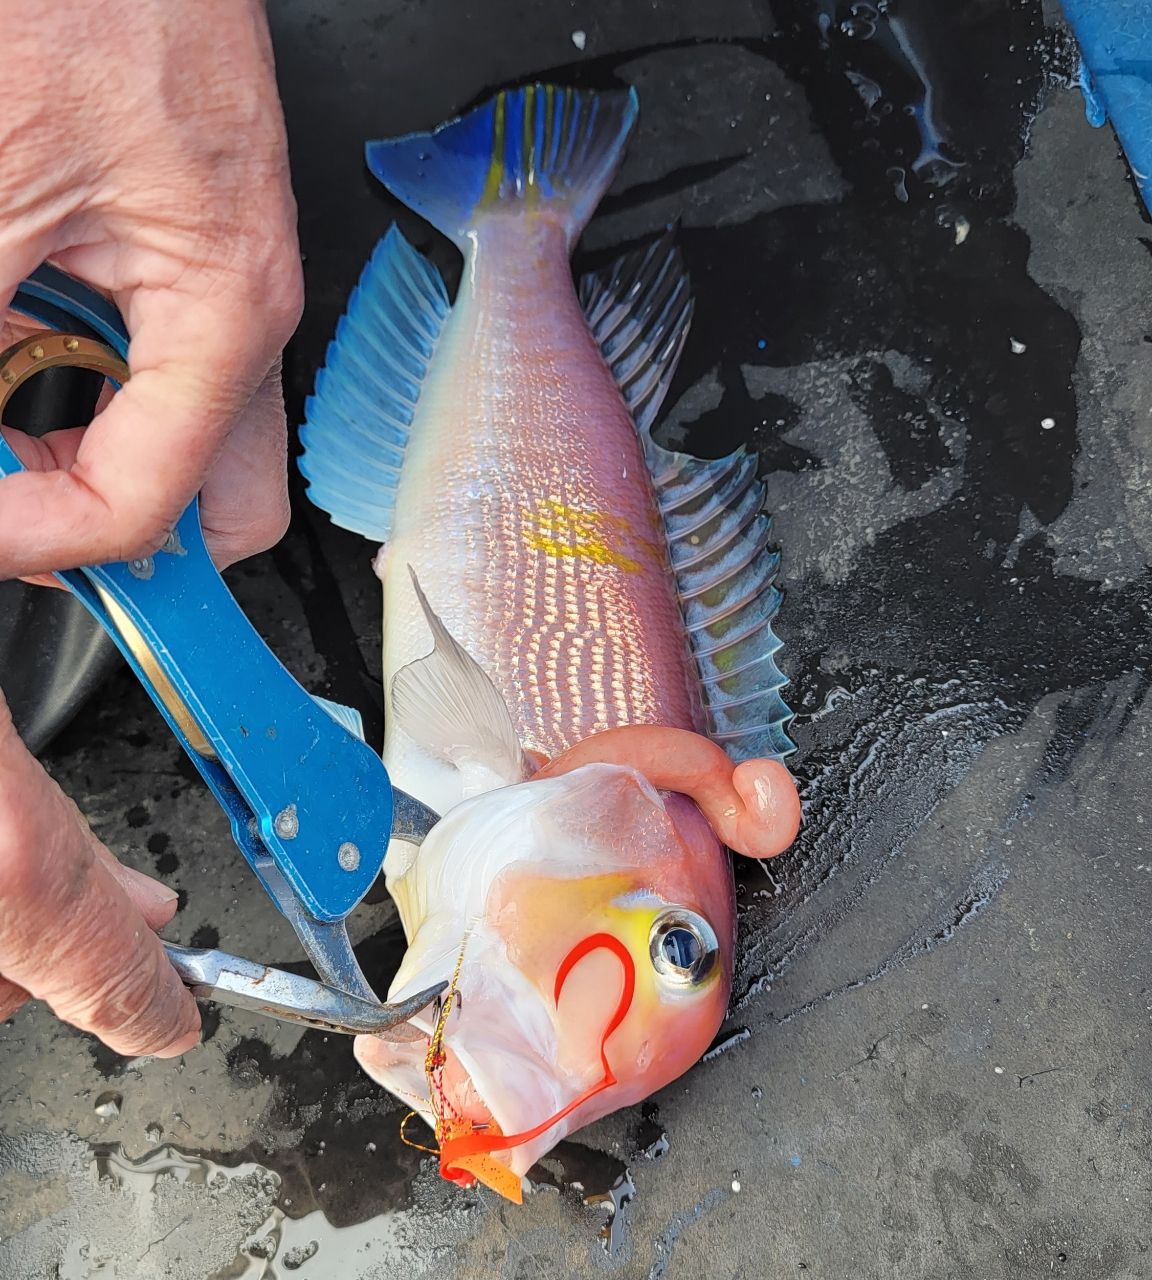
[613, 1234]
[167, 1206]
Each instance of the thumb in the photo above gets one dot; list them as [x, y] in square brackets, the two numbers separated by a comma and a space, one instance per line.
[196, 361]
[69, 932]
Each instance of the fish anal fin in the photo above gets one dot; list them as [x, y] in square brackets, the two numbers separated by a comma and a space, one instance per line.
[357, 420]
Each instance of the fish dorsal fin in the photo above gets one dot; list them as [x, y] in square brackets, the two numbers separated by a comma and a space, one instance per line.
[718, 533]
[356, 422]
[719, 541]
[449, 706]
[639, 311]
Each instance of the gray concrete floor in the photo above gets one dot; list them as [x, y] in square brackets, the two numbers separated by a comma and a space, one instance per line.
[937, 1060]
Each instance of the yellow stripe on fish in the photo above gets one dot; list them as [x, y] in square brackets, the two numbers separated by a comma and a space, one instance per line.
[495, 177]
[525, 166]
[562, 531]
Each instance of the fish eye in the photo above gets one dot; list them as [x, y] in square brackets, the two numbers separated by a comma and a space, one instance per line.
[683, 947]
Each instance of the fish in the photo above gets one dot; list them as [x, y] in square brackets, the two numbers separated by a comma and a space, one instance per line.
[579, 656]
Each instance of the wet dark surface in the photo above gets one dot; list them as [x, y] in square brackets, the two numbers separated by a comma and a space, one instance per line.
[921, 290]
[52, 655]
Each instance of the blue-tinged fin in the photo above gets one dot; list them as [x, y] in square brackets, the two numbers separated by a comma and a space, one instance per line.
[541, 147]
[356, 422]
[348, 717]
[719, 540]
[718, 533]
[639, 311]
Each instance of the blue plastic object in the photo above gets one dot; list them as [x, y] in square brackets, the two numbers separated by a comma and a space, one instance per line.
[1116, 43]
[310, 804]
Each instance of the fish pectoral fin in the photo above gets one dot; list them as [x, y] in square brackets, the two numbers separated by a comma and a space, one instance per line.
[348, 717]
[447, 704]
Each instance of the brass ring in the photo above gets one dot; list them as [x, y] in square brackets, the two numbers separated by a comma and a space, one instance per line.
[50, 350]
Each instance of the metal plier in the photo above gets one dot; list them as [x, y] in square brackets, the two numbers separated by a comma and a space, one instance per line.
[311, 806]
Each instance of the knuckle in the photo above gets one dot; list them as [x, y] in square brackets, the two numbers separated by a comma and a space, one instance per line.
[138, 535]
[46, 857]
[12, 998]
[20, 877]
[284, 298]
[269, 524]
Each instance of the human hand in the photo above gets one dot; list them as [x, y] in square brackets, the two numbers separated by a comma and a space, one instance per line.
[143, 151]
[76, 927]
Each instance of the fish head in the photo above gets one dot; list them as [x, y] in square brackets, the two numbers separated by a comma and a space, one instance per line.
[586, 925]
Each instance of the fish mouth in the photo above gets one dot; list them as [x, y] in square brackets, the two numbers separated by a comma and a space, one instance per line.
[491, 1126]
[486, 1070]
[496, 1086]
[523, 1146]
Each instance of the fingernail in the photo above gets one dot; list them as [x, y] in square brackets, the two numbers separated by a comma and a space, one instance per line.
[144, 886]
[182, 1045]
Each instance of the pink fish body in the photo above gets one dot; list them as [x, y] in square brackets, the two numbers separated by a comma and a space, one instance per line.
[550, 577]
[527, 511]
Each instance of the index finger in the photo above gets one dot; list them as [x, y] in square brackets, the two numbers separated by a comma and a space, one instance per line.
[70, 933]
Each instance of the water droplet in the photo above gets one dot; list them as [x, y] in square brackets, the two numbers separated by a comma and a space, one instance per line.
[757, 1092]
[108, 1105]
[858, 28]
[1046, 424]
[370, 1147]
[897, 177]
[580, 39]
[1018, 348]
[299, 1255]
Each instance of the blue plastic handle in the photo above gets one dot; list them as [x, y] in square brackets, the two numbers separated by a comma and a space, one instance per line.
[1116, 42]
[304, 796]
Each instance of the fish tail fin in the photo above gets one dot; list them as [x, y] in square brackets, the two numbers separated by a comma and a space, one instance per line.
[549, 150]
